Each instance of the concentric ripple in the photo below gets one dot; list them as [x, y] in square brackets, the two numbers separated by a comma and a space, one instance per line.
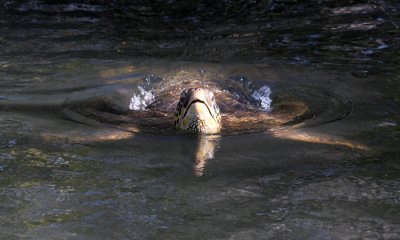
[296, 106]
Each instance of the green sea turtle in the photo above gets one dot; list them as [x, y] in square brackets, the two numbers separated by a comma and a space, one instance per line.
[210, 107]
[191, 104]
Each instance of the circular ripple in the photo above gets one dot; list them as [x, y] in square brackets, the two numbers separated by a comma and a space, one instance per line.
[298, 106]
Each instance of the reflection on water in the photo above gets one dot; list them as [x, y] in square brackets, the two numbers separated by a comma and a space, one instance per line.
[77, 163]
[205, 152]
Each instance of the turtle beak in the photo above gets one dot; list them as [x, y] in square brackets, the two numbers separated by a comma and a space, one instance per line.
[198, 115]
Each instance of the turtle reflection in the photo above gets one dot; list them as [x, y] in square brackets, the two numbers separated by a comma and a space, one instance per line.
[205, 151]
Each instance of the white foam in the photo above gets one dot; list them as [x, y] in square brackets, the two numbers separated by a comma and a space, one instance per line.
[263, 95]
[141, 100]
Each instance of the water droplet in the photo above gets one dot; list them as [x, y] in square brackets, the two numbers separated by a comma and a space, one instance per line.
[263, 96]
[141, 100]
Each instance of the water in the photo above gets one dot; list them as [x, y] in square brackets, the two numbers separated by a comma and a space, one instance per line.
[331, 173]
[142, 100]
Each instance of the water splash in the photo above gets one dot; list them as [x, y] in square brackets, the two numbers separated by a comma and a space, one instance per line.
[142, 99]
[145, 94]
[262, 95]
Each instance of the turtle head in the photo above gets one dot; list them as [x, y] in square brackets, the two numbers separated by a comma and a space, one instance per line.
[197, 111]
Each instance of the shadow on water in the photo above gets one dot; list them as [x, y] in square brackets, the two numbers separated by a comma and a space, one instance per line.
[77, 162]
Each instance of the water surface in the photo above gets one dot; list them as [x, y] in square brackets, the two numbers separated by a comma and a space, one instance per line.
[333, 174]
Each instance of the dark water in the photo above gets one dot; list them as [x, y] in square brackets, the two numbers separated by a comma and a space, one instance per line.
[336, 177]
